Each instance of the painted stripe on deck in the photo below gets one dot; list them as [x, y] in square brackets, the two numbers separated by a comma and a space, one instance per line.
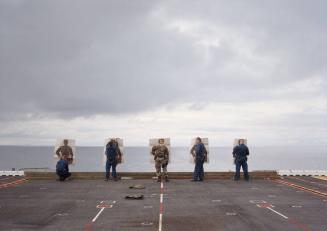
[161, 206]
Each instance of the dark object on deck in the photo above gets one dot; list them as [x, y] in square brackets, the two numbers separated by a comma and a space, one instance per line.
[134, 197]
[137, 186]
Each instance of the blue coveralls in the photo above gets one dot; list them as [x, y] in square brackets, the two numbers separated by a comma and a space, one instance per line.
[112, 154]
[199, 161]
[62, 169]
[240, 154]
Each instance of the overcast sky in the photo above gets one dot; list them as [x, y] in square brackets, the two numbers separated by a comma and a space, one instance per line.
[139, 69]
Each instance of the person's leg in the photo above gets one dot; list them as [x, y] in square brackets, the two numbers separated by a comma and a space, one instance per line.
[201, 171]
[158, 169]
[107, 169]
[60, 175]
[66, 175]
[196, 171]
[245, 170]
[238, 169]
[165, 172]
[114, 173]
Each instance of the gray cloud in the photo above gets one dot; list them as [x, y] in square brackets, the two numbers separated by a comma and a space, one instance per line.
[72, 59]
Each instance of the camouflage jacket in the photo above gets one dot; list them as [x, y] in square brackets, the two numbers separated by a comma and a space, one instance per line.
[161, 152]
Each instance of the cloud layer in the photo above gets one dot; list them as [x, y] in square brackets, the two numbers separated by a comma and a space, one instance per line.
[62, 61]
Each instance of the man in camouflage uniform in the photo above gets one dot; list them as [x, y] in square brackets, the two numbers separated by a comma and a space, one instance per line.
[65, 151]
[161, 158]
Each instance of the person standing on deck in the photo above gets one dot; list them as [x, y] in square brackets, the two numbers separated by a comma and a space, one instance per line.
[161, 158]
[240, 153]
[113, 155]
[199, 153]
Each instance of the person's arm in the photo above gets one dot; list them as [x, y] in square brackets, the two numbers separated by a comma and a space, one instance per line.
[153, 151]
[247, 151]
[58, 152]
[193, 151]
[71, 152]
[167, 154]
[234, 151]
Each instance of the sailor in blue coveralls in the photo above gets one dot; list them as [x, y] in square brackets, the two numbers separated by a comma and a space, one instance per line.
[240, 153]
[113, 156]
[199, 153]
[62, 169]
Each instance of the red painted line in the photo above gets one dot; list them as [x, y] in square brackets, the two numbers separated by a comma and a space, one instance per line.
[301, 188]
[295, 222]
[88, 226]
[310, 182]
[13, 183]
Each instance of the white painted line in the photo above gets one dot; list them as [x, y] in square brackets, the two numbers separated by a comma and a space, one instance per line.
[160, 222]
[96, 217]
[161, 206]
[257, 201]
[277, 213]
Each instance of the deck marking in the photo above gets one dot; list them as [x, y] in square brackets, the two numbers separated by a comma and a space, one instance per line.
[311, 182]
[147, 223]
[96, 217]
[277, 212]
[257, 201]
[231, 214]
[102, 206]
[290, 220]
[297, 223]
[161, 206]
[303, 189]
[13, 183]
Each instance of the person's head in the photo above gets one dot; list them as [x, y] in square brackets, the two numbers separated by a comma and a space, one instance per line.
[241, 141]
[161, 141]
[111, 143]
[198, 140]
[65, 142]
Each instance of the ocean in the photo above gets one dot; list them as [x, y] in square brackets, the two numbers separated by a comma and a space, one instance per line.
[138, 159]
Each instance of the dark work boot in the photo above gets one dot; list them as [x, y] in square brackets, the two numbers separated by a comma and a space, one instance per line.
[166, 179]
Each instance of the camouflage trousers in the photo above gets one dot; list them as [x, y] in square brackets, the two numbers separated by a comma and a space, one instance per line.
[161, 163]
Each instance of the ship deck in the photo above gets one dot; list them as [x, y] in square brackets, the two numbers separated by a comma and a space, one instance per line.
[291, 203]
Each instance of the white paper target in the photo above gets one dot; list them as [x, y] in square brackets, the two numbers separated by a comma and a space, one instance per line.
[155, 141]
[71, 143]
[205, 141]
[120, 142]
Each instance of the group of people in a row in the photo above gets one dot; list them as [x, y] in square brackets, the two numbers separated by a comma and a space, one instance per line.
[160, 154]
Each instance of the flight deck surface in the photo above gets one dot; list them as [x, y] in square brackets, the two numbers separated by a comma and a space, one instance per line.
[292, 203]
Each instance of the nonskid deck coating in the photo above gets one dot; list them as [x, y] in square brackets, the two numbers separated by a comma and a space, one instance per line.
[210, 205]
